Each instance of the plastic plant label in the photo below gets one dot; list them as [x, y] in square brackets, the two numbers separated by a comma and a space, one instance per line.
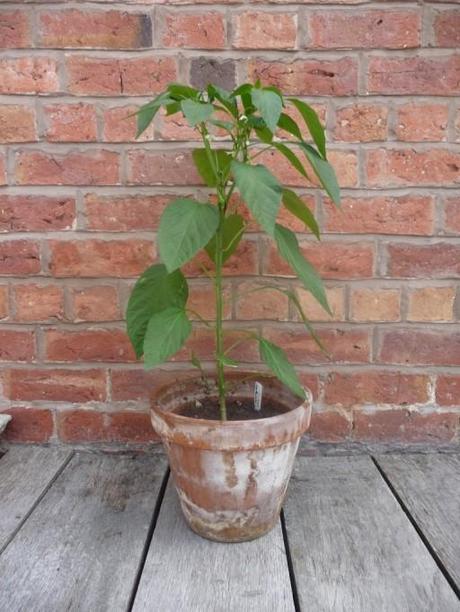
[258, 390]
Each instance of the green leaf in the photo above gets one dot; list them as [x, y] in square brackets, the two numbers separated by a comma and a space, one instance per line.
[275, 358]
[154, 291]
[313, 123]
[294, 205]
[288, 124]
[147, 112]
[185, 227]
[261, 191]
[269, 104]
[166, 333]
[324, 171]
[222, 160]
[289, 250]
[224, 97]
[173, 108]
[242, 90]
[233, 228]
[179, 91]
[196, 112]
[291, 157]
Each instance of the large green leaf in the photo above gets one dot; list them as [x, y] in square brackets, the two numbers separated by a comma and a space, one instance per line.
[289, 250]
[196, 112]
[154, 291]
[294, 205]
[185, 227]
[261, 191]
[324, 171]
[269, 105]
[222, 160]
[232, 231]
[179, 91]
[275, 358]
[166, 332]
[313, 123]
[291, 157]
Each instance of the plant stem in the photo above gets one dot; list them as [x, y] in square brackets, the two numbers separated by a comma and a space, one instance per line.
[219, 318]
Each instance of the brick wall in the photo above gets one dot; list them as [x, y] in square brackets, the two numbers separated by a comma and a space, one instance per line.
[81, 201]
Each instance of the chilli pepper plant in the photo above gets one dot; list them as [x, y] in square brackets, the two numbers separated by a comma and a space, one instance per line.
[251, 119]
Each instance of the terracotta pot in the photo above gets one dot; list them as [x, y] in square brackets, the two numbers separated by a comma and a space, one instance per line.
[231, 476]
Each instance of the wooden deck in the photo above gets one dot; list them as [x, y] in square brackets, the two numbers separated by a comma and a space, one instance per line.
[97, 532]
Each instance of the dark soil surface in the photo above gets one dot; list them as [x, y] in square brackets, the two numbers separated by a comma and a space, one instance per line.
[237, 409]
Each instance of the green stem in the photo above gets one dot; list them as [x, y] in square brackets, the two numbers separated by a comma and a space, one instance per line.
[219, 320]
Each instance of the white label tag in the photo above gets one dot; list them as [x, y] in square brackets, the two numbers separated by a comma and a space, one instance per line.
[258, 390]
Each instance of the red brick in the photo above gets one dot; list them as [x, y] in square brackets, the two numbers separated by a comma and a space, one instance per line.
[308, 77]
[35, 213]
[315, 312]
[15, 31]
[201, 299]
[74, 168]
[38, 302]
[176, 127]
[375, 305]
[264, 30]
[130, 427]
[4, 307]
[447, 28]
[396, 167]
[88, 345]
[452, 215]
[162, 168]
[448, 390]
[404, 426]
[311, 382]
[202, 343]
[365, 29]
[410, 215]
[70, 122]
[435, 76]
[81, 426]
[438, 260]
[120, 125]
[193, 30]
[124, 213]
[16, 345]
[370, 387]
[418, 122]
[332, 260]
[28, 75]
[94, 29]
[2, 170]
[57, 385]
[139, 384]
[29, 425]
[417, 347]
[94, 258]
[345, 346]
[263, 304]
[108, 77]
[361, 123]
[431, 304]
[17, 124]
[18, 257]
[329, 426]
[96, 304]
[244, 261]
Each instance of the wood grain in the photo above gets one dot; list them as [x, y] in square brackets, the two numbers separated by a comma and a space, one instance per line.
[82, 547]
[353, 549]
[185, 573]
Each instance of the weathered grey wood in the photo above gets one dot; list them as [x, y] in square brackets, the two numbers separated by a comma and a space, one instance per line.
[81, 548]
[353, 548]
[25, 473]
[185, 573]
[429, 486]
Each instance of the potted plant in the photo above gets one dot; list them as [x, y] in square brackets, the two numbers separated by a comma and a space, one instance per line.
[231, 436]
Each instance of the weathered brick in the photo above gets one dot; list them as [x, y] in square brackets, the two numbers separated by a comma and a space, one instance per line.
[370, 387]
[16, 345]
[38, 302]
[364, 29]
[375, 305]
[88, 345]
[18, 257]
[264, 30]
[419, 122]
[439, 260]
[201, 299]
[124, 213]
[452, 215]
[431, 304]
[202, 344]
[204, 70]
[120, 125]
[70, 122]
[2, 170]
[244, 261]
[55, 385]
[28, 75]
[140, 383]
[15, 31]
[409, 215]
[261, 304]
[329, 426]
[361, 123]
[17, 124]
[74, 168]
[94, 29]
[162, 168]
[81, 426]
[108, 77]
[404, 426]
[420, 347]
[34, 425]
[4, 307]
[176, 127]
[436, 76]
[193, 30]
[95, 258]
[447, 28]
[315, 312]
[308, 77]
[35, 213]
[95, 304]
[448, 390]
[130, 427]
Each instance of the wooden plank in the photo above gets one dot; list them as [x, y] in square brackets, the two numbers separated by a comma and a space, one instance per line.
[429, 487]
[352, 546]
[184, 572]
[82, 547]
[25, 473]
